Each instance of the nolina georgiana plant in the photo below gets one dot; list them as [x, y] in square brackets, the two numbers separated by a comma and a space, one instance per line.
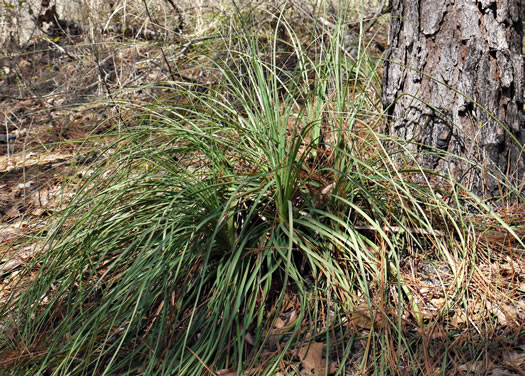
[186, 239]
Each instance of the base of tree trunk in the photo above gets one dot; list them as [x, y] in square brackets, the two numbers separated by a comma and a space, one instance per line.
[453, 87]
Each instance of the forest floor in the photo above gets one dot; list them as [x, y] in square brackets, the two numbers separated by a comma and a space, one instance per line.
[57, 100]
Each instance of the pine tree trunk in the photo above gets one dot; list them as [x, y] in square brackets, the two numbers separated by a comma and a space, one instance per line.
[448, 63]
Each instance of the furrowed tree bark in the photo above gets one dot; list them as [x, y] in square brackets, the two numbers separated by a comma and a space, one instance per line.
[448, 64]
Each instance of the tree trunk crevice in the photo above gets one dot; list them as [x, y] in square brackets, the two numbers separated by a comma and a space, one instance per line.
[451, 69]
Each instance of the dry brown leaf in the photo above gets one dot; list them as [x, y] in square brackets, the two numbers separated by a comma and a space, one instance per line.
[510, 312]
[475, 367]
[438, 332]
[225, 372]
[311, 356]
[39, 212]
[249, 339]
[438, 303]
[285, 319]
[360, 317]
[25, 185]
[501, 372]
[521, 310]
[13, 213]
[288, 313]
[460, 317]
[517, 359]
[8, 265]
[502, 319]
[279, 323]
[498, 312]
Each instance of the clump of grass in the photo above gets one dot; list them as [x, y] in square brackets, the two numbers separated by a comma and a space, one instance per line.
[181, 250]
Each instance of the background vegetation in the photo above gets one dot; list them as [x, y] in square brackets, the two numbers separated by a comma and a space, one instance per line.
[219, 199]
